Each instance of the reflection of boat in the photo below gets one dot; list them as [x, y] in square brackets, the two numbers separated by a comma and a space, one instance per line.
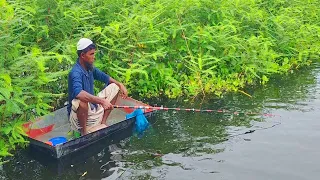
[57, 124]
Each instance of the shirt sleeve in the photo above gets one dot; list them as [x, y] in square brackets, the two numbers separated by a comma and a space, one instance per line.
[100, 76]
[76, 82]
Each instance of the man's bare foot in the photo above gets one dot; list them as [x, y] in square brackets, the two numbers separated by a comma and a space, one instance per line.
[83, 132]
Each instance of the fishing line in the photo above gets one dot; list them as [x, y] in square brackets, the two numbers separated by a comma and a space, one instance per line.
[194, 110]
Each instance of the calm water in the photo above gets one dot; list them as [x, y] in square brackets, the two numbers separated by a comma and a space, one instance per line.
[187, 145]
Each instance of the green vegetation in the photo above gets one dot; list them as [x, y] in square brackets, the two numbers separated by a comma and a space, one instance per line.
[171, 47]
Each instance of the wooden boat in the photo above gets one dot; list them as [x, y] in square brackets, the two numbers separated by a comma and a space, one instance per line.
[57, 124]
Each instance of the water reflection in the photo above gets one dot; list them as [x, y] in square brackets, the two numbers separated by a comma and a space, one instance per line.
[196, 134]
[174, 135]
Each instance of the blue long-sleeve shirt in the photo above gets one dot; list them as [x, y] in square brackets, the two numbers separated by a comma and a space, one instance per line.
[80, 79]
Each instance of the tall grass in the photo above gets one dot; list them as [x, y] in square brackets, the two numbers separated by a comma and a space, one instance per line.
[171, 47]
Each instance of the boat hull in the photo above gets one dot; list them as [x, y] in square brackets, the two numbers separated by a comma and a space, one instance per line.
[38, 141]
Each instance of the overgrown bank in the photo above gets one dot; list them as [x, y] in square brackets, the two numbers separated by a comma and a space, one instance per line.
[175, 47]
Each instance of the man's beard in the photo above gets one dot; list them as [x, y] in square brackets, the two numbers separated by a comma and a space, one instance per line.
[88, 66]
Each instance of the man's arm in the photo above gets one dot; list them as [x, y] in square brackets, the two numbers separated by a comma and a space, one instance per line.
[122, 88]
[84, 96]
[101, 76]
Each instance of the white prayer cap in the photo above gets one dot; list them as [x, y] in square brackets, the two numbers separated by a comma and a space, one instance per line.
[83, 43]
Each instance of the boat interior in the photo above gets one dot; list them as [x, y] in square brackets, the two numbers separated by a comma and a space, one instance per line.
[56, 124]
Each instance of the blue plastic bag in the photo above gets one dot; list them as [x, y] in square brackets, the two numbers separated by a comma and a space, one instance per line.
[141, 121]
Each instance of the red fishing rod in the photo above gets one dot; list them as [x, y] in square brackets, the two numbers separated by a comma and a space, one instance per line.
[192, 110]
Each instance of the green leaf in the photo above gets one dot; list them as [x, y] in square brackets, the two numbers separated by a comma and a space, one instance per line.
[35, 51]
[30, 9]
[13, 107]
[264, 79]
[1, 98]
[210, 47]
[21, 101]
[6, 78]
[4, 152]
[6, 130]
[5, 92]
[41, 65]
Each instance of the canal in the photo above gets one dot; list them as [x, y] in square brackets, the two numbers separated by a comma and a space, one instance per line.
[273, 135]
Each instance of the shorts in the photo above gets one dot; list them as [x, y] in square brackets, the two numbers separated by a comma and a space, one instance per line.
[95, 113]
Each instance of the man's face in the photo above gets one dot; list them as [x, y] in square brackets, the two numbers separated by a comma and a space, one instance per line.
[89, 56]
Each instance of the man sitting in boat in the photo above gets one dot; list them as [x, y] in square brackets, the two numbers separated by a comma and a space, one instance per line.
[87, 112]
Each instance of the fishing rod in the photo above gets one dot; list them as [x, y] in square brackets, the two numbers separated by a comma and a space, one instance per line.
[192, 110]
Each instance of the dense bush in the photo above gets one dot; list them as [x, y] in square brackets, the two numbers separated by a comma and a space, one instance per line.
[171, 47]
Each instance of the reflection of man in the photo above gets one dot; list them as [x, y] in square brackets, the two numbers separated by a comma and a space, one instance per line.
[88, 113]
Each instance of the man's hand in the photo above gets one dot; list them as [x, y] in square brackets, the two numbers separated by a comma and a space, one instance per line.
[106, 104]
[123, 90]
